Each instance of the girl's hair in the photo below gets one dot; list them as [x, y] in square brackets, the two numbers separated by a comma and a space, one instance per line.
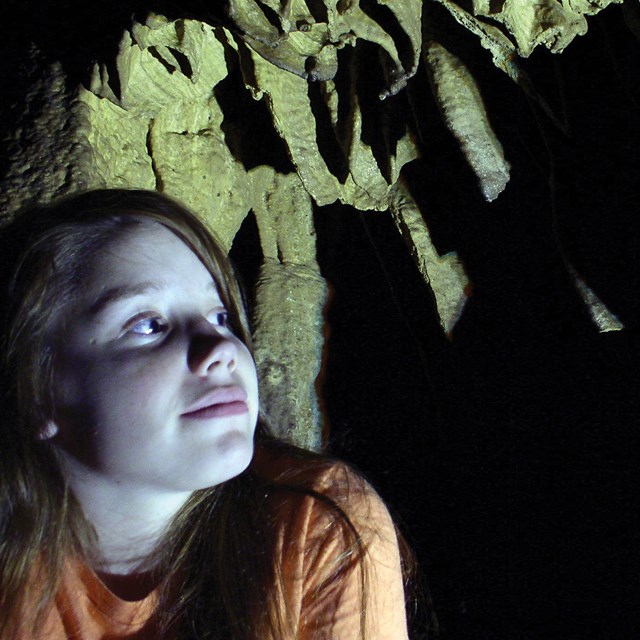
[45, 253]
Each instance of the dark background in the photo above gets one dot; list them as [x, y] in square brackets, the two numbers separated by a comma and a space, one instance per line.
[510, 451]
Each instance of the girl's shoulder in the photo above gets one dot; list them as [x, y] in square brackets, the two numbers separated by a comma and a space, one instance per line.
[322, 487]
[338, 549]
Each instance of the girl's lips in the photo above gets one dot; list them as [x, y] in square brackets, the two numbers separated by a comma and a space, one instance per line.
[221, 401]
[219, 410]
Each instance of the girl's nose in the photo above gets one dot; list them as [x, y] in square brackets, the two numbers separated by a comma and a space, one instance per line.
[209, 350]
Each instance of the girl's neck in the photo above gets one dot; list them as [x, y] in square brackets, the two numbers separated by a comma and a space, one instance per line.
[129, 523]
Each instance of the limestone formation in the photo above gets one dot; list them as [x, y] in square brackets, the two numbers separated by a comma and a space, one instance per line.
[47, 157]
[527, 24]
[463, 111]
[290, 299]
[277, 107]
[443, 273]
[308, 36]
[602, 317]
[168, 122]
[333, 163]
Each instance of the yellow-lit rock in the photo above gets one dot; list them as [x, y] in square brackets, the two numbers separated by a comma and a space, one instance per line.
[463, 111]
[290, 298]
[443, 273]
[529, 23]
[117, 141]
[364, 187]
[159, 125]
[167, 120]
[305, 42]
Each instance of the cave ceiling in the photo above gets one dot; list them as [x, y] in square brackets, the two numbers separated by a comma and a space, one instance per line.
[274, 107]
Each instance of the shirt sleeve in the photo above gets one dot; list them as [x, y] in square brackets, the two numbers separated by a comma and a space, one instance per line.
[352, 577]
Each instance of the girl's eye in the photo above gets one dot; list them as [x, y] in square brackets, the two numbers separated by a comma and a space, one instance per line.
[220, 319]
[149, 326]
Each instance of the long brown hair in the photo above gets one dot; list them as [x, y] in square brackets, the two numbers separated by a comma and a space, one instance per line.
[44, 254]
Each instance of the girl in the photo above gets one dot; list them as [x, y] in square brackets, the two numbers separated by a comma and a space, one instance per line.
[142, 494]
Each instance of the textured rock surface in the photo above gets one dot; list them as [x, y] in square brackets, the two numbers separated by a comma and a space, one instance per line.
[363, 185]
[288, 338]
[164, 130]
[531, 23]
[444, 273]
[177, 111]
[602, 317]
[307, 36]
[48, 155]
[464, 113]
[290, 298]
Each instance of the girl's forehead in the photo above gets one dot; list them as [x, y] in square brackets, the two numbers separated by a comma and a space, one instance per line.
[148, 254]
[148, 241]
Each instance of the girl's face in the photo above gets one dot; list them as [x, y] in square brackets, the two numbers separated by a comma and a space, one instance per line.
[153, 390]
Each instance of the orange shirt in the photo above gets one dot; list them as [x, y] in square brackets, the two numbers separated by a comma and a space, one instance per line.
[324, 605]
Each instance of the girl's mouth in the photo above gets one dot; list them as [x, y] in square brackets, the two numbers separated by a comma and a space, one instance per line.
[218, 402]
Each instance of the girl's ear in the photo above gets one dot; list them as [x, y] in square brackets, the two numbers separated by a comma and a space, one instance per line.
[49, 431]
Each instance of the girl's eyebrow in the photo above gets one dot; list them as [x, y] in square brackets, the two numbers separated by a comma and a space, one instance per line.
[122, 292]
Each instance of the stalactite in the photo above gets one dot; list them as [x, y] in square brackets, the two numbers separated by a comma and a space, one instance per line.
[290, 298]
[322, 80]
[443, 273]
[464, 114]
